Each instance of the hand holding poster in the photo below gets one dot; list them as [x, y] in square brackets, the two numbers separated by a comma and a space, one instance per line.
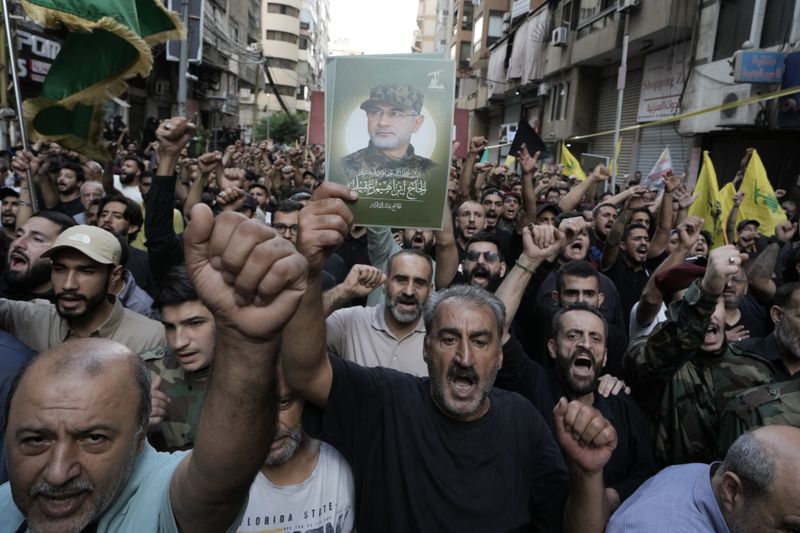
[389, 136]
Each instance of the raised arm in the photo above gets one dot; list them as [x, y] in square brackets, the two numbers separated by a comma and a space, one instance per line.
[539, 244]
[665, 216]
[730, 224]
[651, 300]
[206, 163]
[324, 223]
[446, 252]
[759, 273]
[360, 281]
[476, 146]
[528, 163]
[252, 281]
[573, 198]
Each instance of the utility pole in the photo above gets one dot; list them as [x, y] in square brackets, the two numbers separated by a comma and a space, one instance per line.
[623, 71]
[255, 100]
[4, 140]
[184, 60]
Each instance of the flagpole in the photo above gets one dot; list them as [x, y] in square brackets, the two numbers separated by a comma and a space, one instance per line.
[12, 60]
[622, 73]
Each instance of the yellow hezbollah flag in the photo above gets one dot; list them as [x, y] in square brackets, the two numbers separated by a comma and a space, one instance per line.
[616, 157]
[572, 166]
[760, 202]
[708, 205]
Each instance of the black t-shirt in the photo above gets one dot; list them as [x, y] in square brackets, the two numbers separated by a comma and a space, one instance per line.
[416, 469]
[753, 316]
[71, 208]
[630, 283]
[632, 461]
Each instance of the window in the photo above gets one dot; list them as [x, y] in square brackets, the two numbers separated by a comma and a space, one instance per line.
[495, 30]
[274, 35]
[733, 26]
[303, 45]
[594, 15]
[566, 14]
[235, 30]
[465, 50]
[278, 62]
[477, 34]
[777, 22]
[560, 100]
[286, 90]
[467, 9]
[282, 9]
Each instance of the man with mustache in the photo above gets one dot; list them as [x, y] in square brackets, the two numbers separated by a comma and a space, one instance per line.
[390, 334]
[577, 347]
[68, 183]
[448, 452]
[27, 274]
[8, 212]
[685, 372]
[470, 219]
[394, 115]
[300, 474]
[85, 264]
[484, 264]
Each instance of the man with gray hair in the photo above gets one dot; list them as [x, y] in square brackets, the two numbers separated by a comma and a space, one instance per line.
[394, 114]
[755, 488]
[448, 452]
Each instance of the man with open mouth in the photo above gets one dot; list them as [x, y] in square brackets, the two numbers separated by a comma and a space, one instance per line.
[685, 372]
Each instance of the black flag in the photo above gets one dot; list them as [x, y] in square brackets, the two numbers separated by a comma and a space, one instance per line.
[533, 142]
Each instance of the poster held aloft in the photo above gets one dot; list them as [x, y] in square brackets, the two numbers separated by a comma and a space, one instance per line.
[662, 168]
[389, 136]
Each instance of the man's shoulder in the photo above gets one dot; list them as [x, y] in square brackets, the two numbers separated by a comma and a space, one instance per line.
[10, 517]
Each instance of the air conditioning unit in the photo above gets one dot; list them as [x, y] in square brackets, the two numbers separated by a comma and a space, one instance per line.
[161, 88]
[544, 89]
[743, 115]
[628, 5]
[560, 35]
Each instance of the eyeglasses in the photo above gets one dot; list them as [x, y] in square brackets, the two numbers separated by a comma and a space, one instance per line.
[490, 257]
[391, 114]
[281, 228]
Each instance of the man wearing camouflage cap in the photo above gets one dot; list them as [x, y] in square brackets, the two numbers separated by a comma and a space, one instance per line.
[393, 116]
[86, 262]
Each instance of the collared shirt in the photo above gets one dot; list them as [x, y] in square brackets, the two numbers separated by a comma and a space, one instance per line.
[39, 325]
[677, 499]
[360, 334]
[133, 297]
[767, 348]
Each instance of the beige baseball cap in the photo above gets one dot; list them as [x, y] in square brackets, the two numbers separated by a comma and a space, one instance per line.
[95, 243]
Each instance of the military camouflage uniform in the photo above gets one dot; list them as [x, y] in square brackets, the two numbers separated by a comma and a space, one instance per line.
[186, 391]
[370, 163]
[773, 404]
[684, 392]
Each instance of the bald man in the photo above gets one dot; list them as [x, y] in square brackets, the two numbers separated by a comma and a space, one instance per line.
[754, 489]
[77, 420]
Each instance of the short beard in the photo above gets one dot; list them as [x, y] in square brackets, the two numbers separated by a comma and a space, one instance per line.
[294, 438]
[390, 143]
[404, 317]
[127, 179]
[493, 281]
[454, 370]
[563, 367]
[787, 338]
[37, 275]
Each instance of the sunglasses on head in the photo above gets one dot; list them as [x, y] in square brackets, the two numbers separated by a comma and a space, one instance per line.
[490, 257]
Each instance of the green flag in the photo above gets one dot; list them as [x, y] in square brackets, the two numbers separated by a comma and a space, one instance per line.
[108, 42]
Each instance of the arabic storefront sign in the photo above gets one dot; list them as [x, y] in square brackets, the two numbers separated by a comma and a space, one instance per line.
[758, 66]
[662, 83]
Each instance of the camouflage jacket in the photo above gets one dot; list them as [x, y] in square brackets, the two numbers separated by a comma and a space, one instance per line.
[370, 163]
[773, 404]
[683, 391]
[186, 391]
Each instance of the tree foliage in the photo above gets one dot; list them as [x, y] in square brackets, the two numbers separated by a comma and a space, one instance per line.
[283, 128]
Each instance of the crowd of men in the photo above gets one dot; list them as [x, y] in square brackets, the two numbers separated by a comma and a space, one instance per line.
[220, 348]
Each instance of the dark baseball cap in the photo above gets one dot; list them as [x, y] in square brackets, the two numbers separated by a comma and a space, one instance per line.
[548, 207]
[743, 223]
[8, 191]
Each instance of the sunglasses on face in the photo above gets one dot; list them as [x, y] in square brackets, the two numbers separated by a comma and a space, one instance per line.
[490, 257]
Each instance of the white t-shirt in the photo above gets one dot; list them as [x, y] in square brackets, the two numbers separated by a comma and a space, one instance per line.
[130, 191]
[635, 330]
[323, 502]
